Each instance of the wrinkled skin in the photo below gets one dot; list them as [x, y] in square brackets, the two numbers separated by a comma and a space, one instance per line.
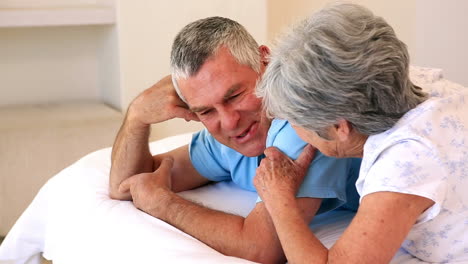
[279, 177]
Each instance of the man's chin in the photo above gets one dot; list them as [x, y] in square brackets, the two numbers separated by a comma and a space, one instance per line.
[250, 151]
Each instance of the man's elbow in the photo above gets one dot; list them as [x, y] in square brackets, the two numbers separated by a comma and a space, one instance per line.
[267, 253]
[114, 185]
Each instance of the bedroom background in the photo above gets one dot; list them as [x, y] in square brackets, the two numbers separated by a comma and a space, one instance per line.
[69, 69]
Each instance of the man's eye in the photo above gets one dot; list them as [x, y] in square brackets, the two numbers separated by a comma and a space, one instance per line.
[234, 96]
[206, 112]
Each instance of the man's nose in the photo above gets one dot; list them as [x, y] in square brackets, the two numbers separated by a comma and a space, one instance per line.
[229, 118]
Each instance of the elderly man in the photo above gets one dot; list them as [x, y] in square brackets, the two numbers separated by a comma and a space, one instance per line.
[215, 67]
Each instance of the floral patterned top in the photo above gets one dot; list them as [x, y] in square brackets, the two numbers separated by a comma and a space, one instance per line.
[426, 154]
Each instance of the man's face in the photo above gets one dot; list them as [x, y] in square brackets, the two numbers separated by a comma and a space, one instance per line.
[222, 96]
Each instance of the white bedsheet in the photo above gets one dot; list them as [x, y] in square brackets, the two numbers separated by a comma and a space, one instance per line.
[73, 220]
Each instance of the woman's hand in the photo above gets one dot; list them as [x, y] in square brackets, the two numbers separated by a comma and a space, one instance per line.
[278, 177]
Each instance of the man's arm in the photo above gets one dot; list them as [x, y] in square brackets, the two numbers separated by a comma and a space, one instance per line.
[253, 237]
[131, 154]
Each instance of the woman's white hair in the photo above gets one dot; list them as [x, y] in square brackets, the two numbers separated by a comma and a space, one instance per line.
[340, 63]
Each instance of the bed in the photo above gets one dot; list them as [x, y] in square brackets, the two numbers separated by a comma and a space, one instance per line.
[73, 220]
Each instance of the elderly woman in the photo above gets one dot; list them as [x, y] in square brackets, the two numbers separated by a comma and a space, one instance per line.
[341, 78]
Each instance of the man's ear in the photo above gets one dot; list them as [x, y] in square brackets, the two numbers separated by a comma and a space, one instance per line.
[264, 54]
[343, 130]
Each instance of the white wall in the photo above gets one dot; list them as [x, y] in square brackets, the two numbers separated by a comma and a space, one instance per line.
[49, 64]
[108, 68]
[399, 13]
[434, 30]
[49, 3]
[54, 64]
[441, 37]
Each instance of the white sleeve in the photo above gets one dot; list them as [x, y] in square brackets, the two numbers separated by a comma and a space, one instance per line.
[409, 167]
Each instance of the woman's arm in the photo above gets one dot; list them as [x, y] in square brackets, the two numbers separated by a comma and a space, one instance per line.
[277, 181]
[375, 234]
[298, 242]
[381, 224]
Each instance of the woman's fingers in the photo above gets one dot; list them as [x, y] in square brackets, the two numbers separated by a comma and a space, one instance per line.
[306, 157]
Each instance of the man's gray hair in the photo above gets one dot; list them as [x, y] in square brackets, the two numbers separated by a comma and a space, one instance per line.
[201, 39]
[341, 63]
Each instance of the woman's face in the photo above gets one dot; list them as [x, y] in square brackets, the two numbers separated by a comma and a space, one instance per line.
[327, 147]
[349, 146]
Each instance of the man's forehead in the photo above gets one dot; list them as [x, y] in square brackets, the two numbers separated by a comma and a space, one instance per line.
[224, 96]
[219, 77]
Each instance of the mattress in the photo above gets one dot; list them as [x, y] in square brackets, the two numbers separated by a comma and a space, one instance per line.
[73, 220]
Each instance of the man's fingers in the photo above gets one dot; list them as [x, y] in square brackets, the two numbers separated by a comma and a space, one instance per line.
[126, 185]
[190, 116]
[181, 112]
[306, 157]
[166, 165]
[165, 169]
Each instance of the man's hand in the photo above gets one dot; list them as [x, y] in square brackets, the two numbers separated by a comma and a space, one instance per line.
[280, 177]
[253, 237]
[159, 103]
[149, 190]
[130, 153]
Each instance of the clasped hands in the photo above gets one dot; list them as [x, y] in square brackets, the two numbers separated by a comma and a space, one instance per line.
[278, 177]
[151, 191]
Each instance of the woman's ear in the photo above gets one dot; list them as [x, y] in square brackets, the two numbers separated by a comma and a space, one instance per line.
[343, 130]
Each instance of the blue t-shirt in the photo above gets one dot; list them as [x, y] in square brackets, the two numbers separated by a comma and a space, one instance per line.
[328, 178]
